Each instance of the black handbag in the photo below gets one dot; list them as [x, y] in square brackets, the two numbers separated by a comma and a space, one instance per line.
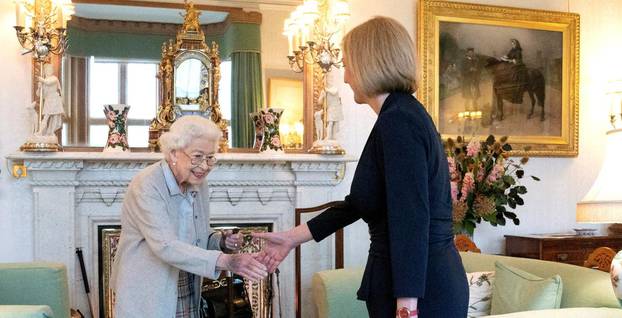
[219, 297]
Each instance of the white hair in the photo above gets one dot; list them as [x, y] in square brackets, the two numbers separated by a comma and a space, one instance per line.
[185, 130]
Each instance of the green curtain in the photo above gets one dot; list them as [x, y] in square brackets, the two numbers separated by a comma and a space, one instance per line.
[246, 96]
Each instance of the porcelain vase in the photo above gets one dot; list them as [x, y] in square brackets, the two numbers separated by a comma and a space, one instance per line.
[116, 118]
[258, 123]
[616, 273]
[271, 136]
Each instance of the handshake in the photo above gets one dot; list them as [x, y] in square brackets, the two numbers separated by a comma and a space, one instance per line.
[254, 266]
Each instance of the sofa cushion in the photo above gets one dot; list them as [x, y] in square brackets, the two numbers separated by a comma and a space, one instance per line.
[480, 293]
[566, 313]
[516, 290]
[583, 287]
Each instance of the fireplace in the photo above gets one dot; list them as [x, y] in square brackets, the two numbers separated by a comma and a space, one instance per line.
[259, 297]
[76, 193]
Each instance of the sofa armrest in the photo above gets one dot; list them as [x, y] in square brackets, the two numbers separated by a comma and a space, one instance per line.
[25, 311]
[334, 293]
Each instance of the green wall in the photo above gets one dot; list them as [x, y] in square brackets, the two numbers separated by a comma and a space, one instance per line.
[239, 37]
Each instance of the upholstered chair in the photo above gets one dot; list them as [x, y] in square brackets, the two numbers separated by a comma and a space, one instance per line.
[34, 290]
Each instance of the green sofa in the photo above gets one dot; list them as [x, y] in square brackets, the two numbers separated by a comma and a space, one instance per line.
[34, 290]
[586, 292]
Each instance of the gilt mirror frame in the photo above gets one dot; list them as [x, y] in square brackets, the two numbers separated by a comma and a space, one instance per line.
[311, 78]
[189, 44]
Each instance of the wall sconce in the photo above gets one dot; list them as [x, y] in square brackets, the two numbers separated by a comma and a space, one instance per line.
[41, 29]
[41, 26]
[311, 30]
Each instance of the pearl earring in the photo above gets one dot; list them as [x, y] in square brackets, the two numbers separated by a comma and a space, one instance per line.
[174, 163]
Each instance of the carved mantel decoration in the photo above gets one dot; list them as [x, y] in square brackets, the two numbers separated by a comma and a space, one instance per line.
[189, 45]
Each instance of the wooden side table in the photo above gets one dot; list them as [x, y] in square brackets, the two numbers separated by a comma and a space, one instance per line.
[570, 249]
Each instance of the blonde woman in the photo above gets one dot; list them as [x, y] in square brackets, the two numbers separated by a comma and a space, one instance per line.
[166, 243]
[400, 188]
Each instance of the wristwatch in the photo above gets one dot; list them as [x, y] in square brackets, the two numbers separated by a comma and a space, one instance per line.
[404, 312]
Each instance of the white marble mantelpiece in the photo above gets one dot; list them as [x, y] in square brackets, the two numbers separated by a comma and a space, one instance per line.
[75, 192]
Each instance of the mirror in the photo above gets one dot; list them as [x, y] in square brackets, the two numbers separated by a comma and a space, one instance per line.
[190, 83]
[113, 66]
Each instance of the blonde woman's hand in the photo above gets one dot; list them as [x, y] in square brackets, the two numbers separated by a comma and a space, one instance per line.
[277, 246]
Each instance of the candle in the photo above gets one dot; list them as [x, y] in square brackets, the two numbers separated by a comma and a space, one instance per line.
[295, 41]
[19, 15]
[303, 41]
[60, 21]
[290, 40]
[28, 22]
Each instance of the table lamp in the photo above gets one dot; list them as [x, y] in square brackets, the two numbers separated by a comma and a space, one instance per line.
[603, 203]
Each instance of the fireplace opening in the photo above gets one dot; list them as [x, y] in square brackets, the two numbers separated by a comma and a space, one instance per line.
[258, 297]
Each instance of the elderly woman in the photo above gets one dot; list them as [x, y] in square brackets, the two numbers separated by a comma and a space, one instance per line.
[166, 243]
[400, 188]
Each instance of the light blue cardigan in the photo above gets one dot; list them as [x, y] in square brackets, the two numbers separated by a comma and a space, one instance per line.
[150, 253]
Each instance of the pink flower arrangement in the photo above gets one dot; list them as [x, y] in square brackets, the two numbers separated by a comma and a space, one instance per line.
[484, 182]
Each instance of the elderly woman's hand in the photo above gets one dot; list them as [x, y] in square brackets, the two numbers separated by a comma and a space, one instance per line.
[231, 242]
[244, 265]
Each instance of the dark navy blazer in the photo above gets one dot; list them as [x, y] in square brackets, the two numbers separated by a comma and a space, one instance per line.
[401, 189]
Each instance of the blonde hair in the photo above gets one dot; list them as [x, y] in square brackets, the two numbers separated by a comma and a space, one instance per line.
[186, 129]
[381, 57]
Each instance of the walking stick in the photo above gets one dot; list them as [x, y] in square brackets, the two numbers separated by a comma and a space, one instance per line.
[85, 279]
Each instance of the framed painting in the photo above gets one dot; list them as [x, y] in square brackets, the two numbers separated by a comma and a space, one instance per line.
[287, 93]
[108, 241]
[489, 70]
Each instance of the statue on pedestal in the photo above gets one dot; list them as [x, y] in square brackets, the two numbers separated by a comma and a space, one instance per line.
[334, 112]
[326, 121]
[50, 116]
[52, 111]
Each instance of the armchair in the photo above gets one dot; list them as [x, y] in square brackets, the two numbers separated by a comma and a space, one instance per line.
[33, 290]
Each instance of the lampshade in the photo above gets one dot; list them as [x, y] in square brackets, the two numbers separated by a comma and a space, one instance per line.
[603, 203]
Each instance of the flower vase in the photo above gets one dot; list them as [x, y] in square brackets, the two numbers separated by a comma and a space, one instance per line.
[259, 129]
[116, 118]
[616, 272]
[271, 118]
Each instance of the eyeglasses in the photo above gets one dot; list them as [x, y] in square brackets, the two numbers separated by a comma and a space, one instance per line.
[198, 159]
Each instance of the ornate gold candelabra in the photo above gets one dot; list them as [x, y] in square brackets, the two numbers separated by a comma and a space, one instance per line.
[312, 30]
[41, 29]
[324, 54]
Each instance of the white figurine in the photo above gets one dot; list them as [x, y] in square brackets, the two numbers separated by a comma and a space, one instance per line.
[52, 103]
[319, 124]
[334, 112]
[32, 116]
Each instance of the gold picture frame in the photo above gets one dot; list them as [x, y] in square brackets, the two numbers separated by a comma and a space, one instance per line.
[259, 292]
[461, 89]
[109, 241]
[288, 94]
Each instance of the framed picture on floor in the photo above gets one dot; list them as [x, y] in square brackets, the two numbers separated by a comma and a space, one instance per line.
[108, 242]
[489, 70]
